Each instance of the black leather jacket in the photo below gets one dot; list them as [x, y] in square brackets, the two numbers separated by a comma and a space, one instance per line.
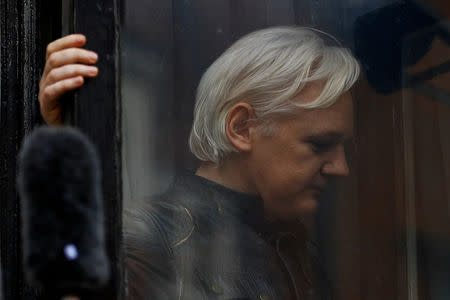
[201, 240]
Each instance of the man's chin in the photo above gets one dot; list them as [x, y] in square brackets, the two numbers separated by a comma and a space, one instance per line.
[303, 208]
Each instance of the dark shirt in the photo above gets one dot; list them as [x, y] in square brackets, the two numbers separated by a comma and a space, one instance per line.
[201, 240]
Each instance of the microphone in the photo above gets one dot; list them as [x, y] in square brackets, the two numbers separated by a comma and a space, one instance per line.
[59, 184]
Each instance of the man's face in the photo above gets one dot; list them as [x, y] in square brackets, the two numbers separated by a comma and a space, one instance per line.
[291, 167]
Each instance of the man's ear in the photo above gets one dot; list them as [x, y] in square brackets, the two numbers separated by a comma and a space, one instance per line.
[239, 126]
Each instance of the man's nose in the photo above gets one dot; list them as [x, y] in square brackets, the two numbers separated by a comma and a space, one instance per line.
[337, 163]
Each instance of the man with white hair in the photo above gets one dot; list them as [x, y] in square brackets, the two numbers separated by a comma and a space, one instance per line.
[271, 118]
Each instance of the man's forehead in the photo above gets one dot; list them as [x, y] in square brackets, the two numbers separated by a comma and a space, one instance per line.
[333, 122]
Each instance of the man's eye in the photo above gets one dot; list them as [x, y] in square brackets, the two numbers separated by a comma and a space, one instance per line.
[321, 146]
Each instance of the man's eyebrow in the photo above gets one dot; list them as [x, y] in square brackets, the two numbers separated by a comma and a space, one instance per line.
[330, 135]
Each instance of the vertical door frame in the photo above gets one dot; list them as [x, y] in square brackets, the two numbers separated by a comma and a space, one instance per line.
[26, 27]
[96, 110]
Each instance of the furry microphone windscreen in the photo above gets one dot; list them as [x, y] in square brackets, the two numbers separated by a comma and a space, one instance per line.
[62, 211]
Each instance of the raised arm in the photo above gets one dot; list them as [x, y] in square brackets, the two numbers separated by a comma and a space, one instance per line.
[67, 64]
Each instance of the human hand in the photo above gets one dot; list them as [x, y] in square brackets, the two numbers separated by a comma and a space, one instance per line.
[66, 66]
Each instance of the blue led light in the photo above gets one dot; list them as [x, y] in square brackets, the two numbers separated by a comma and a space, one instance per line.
[71, 252]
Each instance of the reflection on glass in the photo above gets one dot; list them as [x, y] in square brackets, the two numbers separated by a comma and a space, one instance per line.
[381, 233]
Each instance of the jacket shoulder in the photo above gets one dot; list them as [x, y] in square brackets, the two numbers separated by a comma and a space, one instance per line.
[150, 233]
[159, 222]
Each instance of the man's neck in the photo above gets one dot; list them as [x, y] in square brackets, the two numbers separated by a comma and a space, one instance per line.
[230, 174]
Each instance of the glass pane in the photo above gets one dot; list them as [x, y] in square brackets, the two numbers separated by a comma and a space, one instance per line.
[275, 215]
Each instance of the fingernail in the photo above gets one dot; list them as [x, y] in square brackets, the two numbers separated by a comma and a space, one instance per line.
[93, 55]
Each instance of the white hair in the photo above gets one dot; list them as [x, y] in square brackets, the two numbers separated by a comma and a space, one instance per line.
[267, 69]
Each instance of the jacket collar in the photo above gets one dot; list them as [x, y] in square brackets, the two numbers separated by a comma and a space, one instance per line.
[249, 209]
